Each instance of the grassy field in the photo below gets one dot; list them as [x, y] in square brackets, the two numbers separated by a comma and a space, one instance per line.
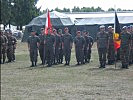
[87, 82]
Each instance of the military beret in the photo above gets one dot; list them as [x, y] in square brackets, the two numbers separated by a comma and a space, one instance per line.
[42, 28]
[102, 26]
[110, 27]
[60, 30]
[78, 32]
[33, 30]
[8, 31]
[128, 27]
[66, 28]
[131, 25]
[124, 27]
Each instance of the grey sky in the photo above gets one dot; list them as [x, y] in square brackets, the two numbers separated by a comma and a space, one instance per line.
[104, 4]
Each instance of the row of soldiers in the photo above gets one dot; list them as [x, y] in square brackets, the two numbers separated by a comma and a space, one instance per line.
[53, 46]
[7, 46]
[105, 45]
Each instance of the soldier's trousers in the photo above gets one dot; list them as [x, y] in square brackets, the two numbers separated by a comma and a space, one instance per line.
[131, 56]
[33, 55]
[79, 55]
[4, 54]
[49, 55]
[10, 53]
[56, 55]
[124, 55]
[42, 53]
[67, 54]
[85, 54]
[61, 55]
[102, 55]
[89, 54]
[111, 54]
[14, 54]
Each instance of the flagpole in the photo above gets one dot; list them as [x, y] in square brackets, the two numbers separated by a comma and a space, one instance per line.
[114, 32]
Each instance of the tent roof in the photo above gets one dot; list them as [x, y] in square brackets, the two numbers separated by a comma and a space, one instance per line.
[105, 20]
[57, 19]
[93, 18]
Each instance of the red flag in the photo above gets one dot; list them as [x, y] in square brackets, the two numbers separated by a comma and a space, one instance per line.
[117, 32]
[48, 23]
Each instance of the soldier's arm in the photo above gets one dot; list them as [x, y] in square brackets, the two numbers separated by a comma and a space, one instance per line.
[28, 41]
[38, 42]
[71, 39]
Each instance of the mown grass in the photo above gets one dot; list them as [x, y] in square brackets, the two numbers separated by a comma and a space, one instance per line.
[86, 82]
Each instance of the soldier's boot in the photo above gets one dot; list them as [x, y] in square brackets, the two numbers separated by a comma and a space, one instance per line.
[32, 64]
[68, 63]
[61, 61]
[104, 64]
[101, 65]
[123, 65]
[65, 63]
[88, 61]
[14, 58]
[35, 63]
[78, 63]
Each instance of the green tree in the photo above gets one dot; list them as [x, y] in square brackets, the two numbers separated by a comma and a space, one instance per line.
[111, 9]
[76, 9]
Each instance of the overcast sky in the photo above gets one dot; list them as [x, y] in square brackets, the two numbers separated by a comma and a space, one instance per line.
[104, 4]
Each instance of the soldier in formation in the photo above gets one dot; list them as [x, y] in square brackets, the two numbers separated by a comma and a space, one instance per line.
[33, 45]
[102, 46]
[111, 49]
[11, 46]
[125, 38]
[67, 42]
[79, 42]
[42, 46]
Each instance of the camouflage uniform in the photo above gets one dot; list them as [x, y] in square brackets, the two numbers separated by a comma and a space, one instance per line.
[61, 51]
[89, 49]
[67, 43]
[49, 47]
[79, 48]
[131, 49]
[124, 48]
[14, 47]
[111, 49]
[33, 48]
[42, 48]
[10, 48]
[102, 44]
[1, 46]
[4, 49]
[86, 48]
[57, 48]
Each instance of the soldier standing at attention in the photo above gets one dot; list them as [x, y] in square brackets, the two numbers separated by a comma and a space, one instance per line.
[10, 46]
[79, 42]
[60, 48]
[89, 48]
[49, 47]
[33, 44]
[131, 47]
[42, 47]
[67, 42]
[125, 38]
[57, 46]
[111, 49]
[102, 45]
[1, 46]
[14, 47]
[86, 47]
[4, 48]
